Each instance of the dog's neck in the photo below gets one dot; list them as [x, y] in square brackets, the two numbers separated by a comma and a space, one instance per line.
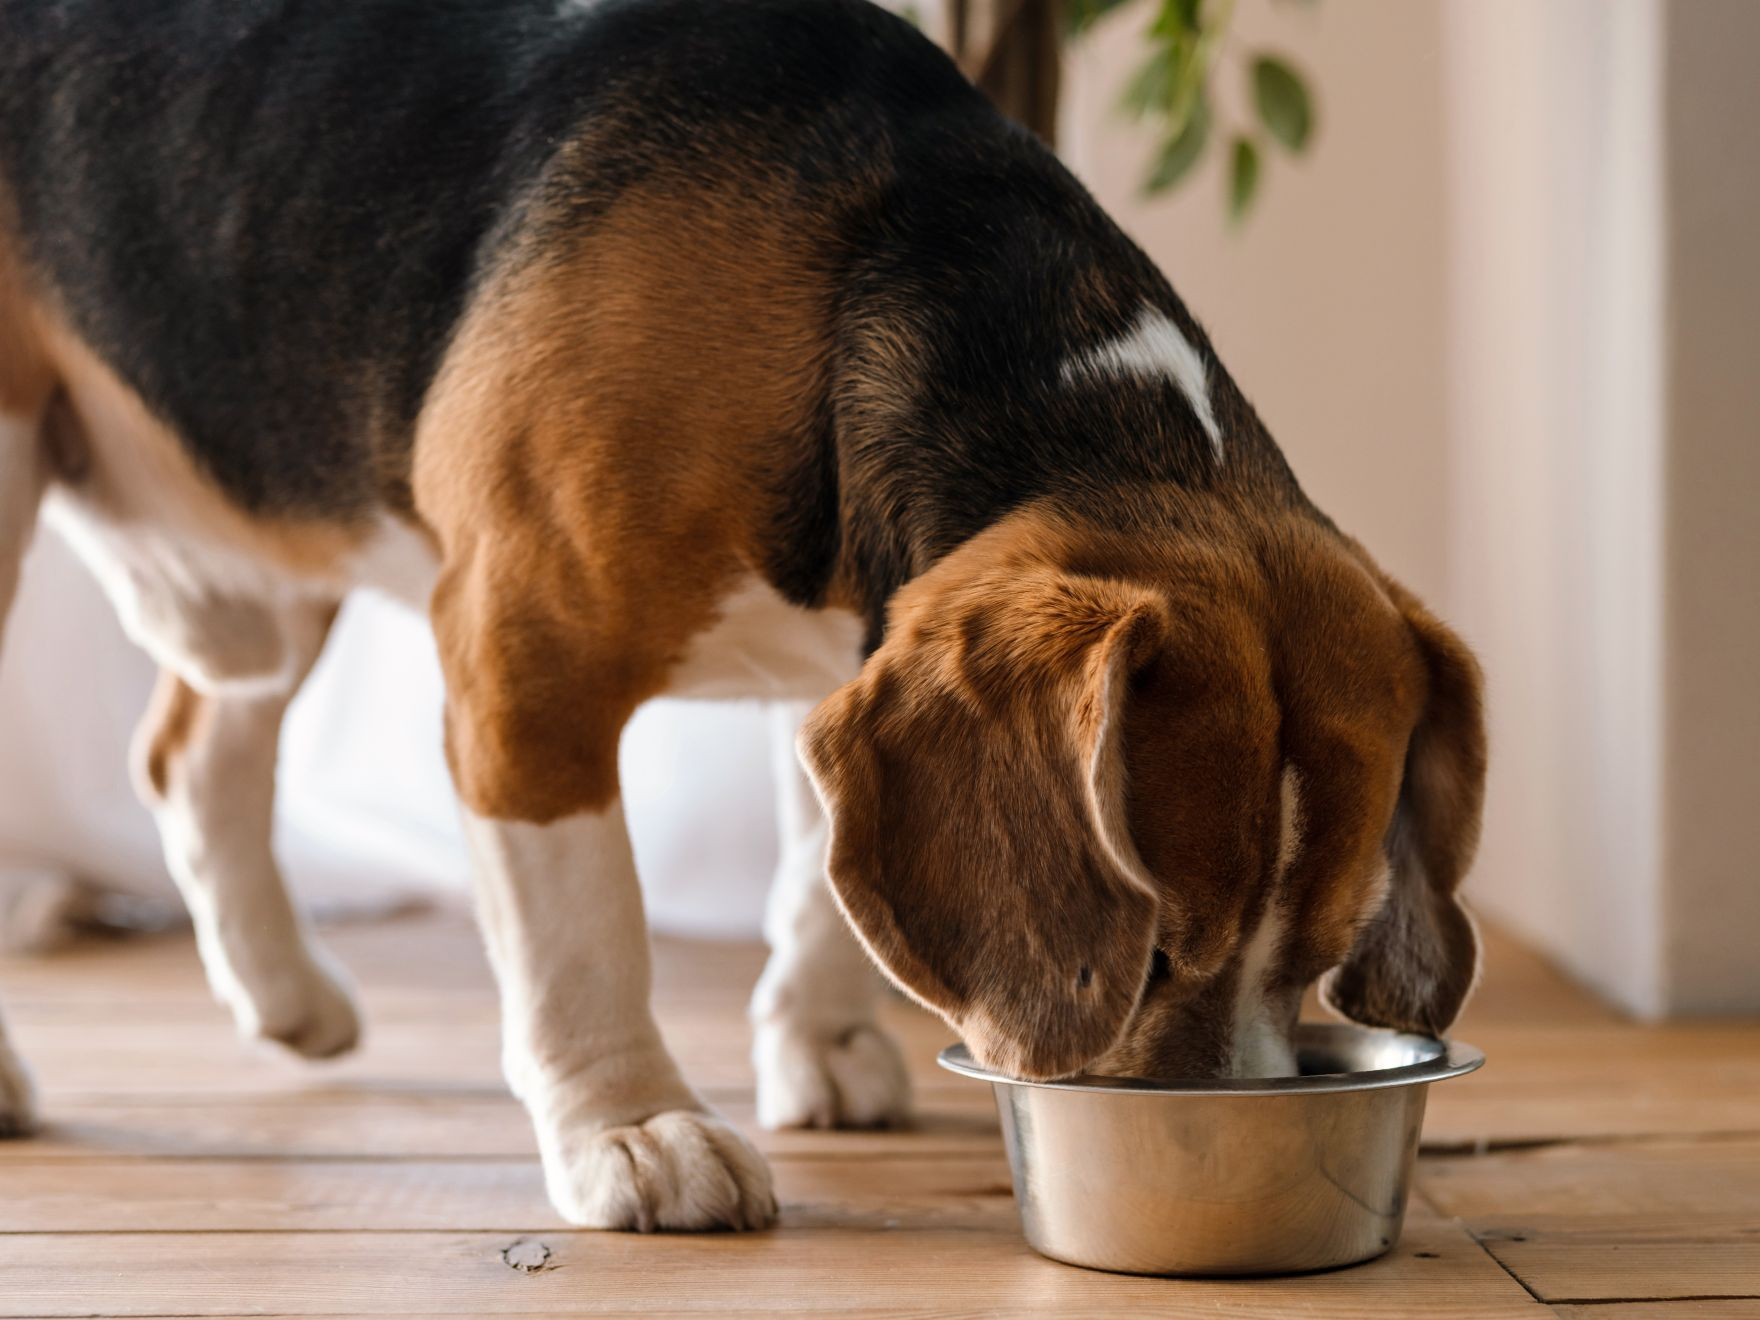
[1128, 422]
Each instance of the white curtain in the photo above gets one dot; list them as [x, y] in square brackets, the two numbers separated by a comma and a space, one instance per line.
[366, 812]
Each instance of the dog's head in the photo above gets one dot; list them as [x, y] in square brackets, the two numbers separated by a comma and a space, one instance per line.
[1112, 810]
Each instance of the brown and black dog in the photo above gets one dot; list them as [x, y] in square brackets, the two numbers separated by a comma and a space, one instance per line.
[721, 347]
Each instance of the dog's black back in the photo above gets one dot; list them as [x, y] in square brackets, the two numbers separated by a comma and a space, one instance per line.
[268, 217]
[263, 215]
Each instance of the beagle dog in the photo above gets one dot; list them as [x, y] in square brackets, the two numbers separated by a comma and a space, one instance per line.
[733, 348]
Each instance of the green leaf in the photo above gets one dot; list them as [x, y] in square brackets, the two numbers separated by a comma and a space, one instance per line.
[1243, 179]
[1176, 20]
[1180, 154]
[1188, 86]
[1080, 15]
[1285, 108]
[1153, 89]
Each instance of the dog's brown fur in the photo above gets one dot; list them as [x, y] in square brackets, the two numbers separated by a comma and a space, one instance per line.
[26, 379]
[1202, 665]
[594, 460]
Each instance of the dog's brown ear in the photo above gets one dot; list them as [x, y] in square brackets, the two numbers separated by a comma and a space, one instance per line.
[975, 782]
[1416, 961]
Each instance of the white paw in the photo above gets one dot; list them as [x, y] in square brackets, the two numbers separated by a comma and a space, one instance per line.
[678, 1170]
[853, 1078]
[18, 1110]
[307, 1008]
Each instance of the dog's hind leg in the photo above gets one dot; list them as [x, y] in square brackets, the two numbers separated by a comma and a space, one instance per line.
[205, 764]
[24, 472]
[26, 385]
[821, 1058]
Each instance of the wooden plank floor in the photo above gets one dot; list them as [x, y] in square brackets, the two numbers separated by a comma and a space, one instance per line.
[1594, 1168]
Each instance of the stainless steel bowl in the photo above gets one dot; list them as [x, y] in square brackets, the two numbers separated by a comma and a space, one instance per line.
[1236, 1176]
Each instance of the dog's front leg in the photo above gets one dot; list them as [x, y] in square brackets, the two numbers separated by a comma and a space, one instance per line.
[565, 596]
[626, 1143]
[821, 1057]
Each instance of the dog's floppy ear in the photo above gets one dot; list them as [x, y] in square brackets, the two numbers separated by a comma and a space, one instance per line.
[975, 782]
[1415, 962]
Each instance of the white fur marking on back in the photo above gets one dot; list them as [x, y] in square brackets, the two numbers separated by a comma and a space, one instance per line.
[1155, 347]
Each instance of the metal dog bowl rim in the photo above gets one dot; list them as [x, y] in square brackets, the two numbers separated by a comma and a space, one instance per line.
[1452, 1058]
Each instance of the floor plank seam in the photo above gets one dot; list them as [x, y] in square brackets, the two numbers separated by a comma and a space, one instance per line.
[1641, 1301]
[293, 1098]
[1421, 1197]
[548, 1231]
[102, 1157]
[1520, 1281]
[1466, 1150]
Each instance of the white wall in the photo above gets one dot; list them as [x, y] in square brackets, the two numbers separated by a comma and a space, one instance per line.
[1556, 317]
[1712, 518]
[1607, 462]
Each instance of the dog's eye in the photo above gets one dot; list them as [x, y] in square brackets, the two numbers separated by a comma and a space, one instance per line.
[1084, 978]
